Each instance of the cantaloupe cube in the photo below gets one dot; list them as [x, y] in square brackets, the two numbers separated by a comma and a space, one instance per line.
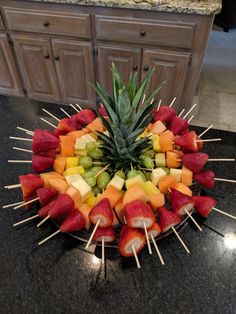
[150, 188]
[115, 220]
[75, 195]
[60, 185]
[112, 194]
[183, 189]
[137, 180]
[72, 162]
[187, 176]
[59, 164]
[67, 146]
[136, 192]
[47, 175]
[96, 125]
[167, 183]
[77, 134]
[166, 141]
[120, 210]
[85, 209]
[158, 127]
[172, 160]
[157, 200]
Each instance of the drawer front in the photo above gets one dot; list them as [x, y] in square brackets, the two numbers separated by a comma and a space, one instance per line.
[161, 33]
[48, 22]
[1, 24]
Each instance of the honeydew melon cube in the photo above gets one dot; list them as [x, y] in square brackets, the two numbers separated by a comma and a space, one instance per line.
[177, 173]
[157, 174]
[137, 180]
[74, 170]
[156, 143]
[72, 177]
[160, 159]
[82, 186]
[80, 143]
[151, 188]
[81, 152]
[117, 182]
[72, 162]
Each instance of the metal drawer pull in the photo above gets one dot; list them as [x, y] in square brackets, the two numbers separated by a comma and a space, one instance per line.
[146, 68]
[46, 23]
[142, 33]
[135, 67]
[47, 56]
[57, 58]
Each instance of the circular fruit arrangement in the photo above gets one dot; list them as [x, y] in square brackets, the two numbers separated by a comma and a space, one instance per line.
[130, 164]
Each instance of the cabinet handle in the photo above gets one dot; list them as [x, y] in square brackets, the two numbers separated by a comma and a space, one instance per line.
[57, 58]
[47, 56]
[146, 68]
[142, 33]
[46, 23]
[135, 67]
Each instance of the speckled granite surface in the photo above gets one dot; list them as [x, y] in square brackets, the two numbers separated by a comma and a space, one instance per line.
[203, 7]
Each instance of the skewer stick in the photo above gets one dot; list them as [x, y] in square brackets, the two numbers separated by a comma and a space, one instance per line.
[152, 100]
[185, 116]
[181, 113]
[26, 203]
[225, 180]
[125, 221]
[25, 220]
[74, 108]
[221, 159]
[22, 149]
[189, 120]
[193, 220]
[103, 251]
[52, 115]
[103, 169]
[80, 108]
[92, 234]
[210, 140]
[159, 104]
[147, 237]
[171, 104]
[144, 97]
[136, 256]
[20, 161]
[25, 130]
[180, 240]
[43, 221]
[13, 204]
[12, 186]
[21, 139]
[223, 213]
[49, 123]
[204, 132]
[49, 237]
[67, 114]
[157, 250]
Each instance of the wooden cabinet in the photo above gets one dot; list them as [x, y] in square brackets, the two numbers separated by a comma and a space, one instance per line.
[126, 60]
[75, 71]
[9, 79]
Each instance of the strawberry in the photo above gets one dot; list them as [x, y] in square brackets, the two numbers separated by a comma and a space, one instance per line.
[67, 125]
[108, 234]
[43, 212]
[199, 143]
[204, 205]
[30, 183]
[57, 132]
[41, 163]
[45, 195]
[164, 114]
[155, 230]
[73, 121]
[102, 211]
[73, 222]
[137, 212]
[187, 141]
[128, 237]
[50, 153]
[205, 178]
[29, 198]
[102, 111]
[180, 202]
[195, 161]
[167, 219]
[178, 125]
[85, 116]
[44, 141]
[63, 206]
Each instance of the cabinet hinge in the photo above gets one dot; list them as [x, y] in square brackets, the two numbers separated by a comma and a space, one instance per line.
[95, 51]
[11, 42]
[190, 61]
[25, 92]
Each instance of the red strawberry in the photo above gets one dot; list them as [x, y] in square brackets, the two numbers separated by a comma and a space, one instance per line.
[41, 163]
[85, 116]
[57, 132]
[108, 234]
[44, 141]
[63, 206]
[155, 230]
[73, 222]
[167, 219]
[205, 178]
[67, 125]
[128, 237]
[50, 153]
[187, 141]
[184, 132]
[102, 111]
[164, 114]
[30, 183]
[204, 205]
[199, 143]
[137, 212]
[43, 212]
[103, 212]
[180, 202]
[45, 195]
[195, 162]
[29, 198]
[178, 125]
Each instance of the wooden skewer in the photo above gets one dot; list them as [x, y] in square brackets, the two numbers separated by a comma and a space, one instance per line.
[12, 186]
[221, 159]
[103, 169]
[22, 149]
[52, 115]
[125, 221]
[13, 204]
[159, 104]
[225, 180]
[103, 251]
[92, 234]
[157, 250]
[74, 108]
[210, 140]
[144, 97]
[223, 213]
[20, 161]
[49, 123]
[180, 240]
[185, 116]
[136, 257]
[193, 220]
[189, 120]
[25, 220]
[80, 108]
[147, 237]
[25, 130]
[152, 100]
[21, 139]
[26, 203]
[43, 221]
[181, 113]
[204, 132]
[171, 104]
[49, 237]
[67, 114]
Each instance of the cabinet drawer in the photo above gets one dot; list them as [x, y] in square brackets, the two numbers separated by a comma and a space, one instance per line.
[1, 24]
[48, 22]
[161, 33]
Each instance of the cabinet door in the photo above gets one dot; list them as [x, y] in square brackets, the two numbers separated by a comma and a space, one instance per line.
[9, 79]
[126, 60]
[75, 70]
[170, 67]
[36, 63]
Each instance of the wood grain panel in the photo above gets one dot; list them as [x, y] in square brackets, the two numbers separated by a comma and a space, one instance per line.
[2, 27]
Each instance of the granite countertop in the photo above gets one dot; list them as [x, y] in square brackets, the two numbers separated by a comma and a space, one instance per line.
[60, 277]
[202, 7]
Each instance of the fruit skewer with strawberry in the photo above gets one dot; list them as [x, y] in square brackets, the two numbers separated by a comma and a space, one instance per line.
[207, 179]
[153, 232]
[104, 235]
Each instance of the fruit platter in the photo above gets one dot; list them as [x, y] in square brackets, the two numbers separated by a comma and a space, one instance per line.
[124, 175]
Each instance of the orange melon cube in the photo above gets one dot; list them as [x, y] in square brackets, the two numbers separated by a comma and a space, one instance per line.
[166, 183]
[183, 189]
[158, 127]
[85, 209]
[136, 192]
[59, 164]
[157, 200]
[187, 176]
[120, 210]
[45, 176]
[96, 125]
[112, 194]
[172, 160]
[78, 134]
[115, 220]
[67, 146]
[166, 141]
[75, 195]
[60, 185]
